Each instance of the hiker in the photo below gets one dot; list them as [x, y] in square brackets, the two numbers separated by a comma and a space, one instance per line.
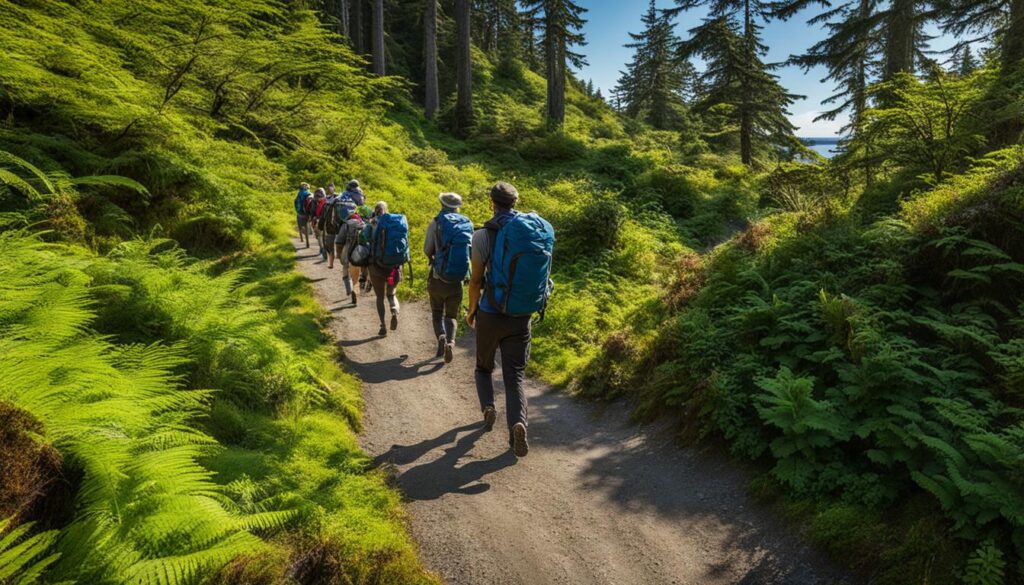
[388, 238]
[329, 225]
[302, 212]
[351, 226]
[446, 245]
[354, 193]
[511, 280]
[317, 207]
[366, 213]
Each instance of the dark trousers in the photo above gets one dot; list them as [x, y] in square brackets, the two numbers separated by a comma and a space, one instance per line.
[445, 301]
[379, 279]
[512, 336]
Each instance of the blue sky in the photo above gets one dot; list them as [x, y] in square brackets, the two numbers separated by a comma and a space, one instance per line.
[610, 21]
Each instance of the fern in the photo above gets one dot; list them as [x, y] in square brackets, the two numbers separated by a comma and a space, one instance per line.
[24, 557]
[985, 566]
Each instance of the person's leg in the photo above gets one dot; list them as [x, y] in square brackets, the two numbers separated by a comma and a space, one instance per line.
[452, 305]
[393, 302]
[379, 279]
[515, 351]
[364, 277]
[436, 306]
[486, 346]
[351, 275]
[330, 251]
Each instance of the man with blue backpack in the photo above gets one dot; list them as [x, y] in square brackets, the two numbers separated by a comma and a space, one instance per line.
[446, 245]
[302, 212]
[510, 282]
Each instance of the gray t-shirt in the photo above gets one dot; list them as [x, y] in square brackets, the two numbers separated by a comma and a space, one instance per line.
[430, 239]
[481, 246]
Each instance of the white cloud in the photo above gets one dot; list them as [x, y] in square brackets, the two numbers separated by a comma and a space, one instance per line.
[806, 126]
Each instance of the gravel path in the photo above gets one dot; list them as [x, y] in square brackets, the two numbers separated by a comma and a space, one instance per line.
[597, 501]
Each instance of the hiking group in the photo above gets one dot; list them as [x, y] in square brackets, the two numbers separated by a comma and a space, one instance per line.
[506, 263]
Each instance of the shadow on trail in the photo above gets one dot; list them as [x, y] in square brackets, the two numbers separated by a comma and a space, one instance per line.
[430, 481]
[642, 471]
[405, 454]
[391, 370]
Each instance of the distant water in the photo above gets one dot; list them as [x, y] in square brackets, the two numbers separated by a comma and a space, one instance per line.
[826, 147]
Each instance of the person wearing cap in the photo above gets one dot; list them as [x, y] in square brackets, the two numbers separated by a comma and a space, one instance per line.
[497, 331]
[445, 297]
[354, 193]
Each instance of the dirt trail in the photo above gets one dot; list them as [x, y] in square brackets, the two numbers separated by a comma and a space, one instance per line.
[598, 500]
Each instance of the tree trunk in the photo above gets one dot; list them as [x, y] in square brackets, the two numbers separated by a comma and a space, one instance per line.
[432, 99]
[464, 68]
[358, 27]
[555, 53]
[900, 39]
[378, 37]
[343, 29]
[746, 120]
[1013, 43]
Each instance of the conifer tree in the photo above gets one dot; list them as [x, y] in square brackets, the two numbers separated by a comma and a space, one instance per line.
[656, 80]
[1001, 19]
[848, 53]
[499, 20]
[562, 21]
[464, 67]
[736, 81]
[358, 27]
[378, 37]
[964, 61]
[432, 98]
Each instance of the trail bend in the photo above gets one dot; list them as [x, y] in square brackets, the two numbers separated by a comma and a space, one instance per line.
[599, 500]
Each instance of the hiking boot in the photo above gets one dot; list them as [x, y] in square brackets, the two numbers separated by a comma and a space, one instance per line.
[441, 344]
[489, 417]
[394, 320]
[383, 331]
[449, 352]
[519, 445]
[354, 299]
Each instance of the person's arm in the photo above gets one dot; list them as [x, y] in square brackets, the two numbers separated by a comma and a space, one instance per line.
[476, 285]
[429, 246]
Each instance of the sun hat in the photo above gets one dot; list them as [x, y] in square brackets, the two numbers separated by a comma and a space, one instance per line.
[452, 200]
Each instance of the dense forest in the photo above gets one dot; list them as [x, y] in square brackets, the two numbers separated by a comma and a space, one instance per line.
[172, 411]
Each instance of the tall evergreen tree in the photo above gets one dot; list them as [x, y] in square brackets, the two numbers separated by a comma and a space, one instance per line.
[656, 79]
[903, 21]
[499, 20]
[378, 37]
[736, 82]
[358, 26]
[464, 67]
[343, 18]
[999, 19]
[431, 98]
[562, 21]
[848, 53]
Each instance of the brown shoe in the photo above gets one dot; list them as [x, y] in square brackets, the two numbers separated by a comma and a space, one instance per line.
[519, 445]
[489, 417]
[449, 354]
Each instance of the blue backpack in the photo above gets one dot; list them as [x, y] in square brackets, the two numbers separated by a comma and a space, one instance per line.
[390, 244]
[519, 275]
[451, 251]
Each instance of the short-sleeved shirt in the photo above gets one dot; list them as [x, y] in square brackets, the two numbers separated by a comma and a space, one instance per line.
[481, 246]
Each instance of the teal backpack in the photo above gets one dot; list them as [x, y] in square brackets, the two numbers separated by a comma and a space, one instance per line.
[518, 281]
[390, 242]
[451, 246]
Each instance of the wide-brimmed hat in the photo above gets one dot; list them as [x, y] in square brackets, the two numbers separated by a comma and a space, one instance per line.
[353, 184]
[453, 200]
